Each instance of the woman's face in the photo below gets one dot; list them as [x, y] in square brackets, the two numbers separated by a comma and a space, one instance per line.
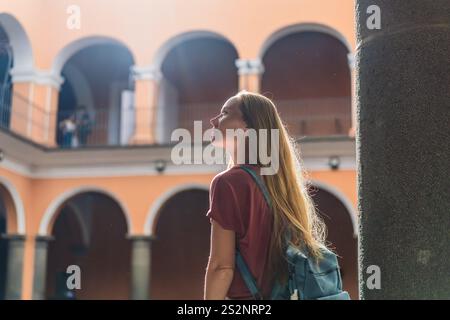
[230, 117]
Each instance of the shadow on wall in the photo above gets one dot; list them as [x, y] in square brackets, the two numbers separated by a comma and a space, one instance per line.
[181, 249]
[90, 231]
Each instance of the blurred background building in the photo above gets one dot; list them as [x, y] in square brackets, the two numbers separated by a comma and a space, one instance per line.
[86, 116]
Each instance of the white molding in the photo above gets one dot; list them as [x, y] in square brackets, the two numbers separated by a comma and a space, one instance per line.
[16, 167]
[146, 73]
[343, 199]
[125, 170]
[147, 169]
[18, 204]
[41, 77]
[61, 198]
[249, 66]
[156, 206]
[303, 27]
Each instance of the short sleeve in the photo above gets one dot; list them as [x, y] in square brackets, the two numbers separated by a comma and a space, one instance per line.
[225, 205]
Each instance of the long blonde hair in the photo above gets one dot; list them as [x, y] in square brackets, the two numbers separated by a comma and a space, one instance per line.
[292, 207]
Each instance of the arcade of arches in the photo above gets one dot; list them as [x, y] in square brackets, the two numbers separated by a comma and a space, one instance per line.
[90, 230]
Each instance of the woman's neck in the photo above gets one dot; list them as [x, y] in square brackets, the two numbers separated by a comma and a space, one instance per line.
[239, 159]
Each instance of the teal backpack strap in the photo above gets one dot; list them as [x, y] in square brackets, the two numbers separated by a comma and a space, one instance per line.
[247, 276]
[242, 266]
[260, 184]
[277, 287]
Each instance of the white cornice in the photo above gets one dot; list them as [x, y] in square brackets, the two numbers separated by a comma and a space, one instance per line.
[30, 160]
[146, 73]
[37, 76]
[249, 66]
[146, 169]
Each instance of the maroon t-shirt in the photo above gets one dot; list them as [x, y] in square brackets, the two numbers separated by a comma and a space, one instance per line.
[237, 203]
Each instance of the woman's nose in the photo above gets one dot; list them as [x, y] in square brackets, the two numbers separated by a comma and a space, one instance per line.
[213, 121]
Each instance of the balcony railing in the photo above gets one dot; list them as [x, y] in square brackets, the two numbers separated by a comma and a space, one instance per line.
[103, 127]
[5, 104]
[302, 117]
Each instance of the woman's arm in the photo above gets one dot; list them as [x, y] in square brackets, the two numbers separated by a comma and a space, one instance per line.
[220, 270]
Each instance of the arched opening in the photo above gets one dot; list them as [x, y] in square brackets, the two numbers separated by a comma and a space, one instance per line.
[340, 236]
[6, 65]
[307, 74]
[16, 57]
[181, 248]
[11, 223]
[97, 82]
[3, 249]
[89, 231]
[199, 74]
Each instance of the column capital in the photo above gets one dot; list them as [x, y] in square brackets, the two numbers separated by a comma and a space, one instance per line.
[12, 237]
[146, 73]
[351, 59]
[40, 238]
[140, 237]
[249, 66]
[37, 76]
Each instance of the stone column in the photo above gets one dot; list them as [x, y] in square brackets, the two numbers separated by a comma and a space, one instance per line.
[40, 266]
[250, 72]
[147, 86]
[403, 149]
[14, 269]
[140, 267]
[35, 105]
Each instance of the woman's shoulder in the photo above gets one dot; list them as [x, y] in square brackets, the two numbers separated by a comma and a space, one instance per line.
[234, 176]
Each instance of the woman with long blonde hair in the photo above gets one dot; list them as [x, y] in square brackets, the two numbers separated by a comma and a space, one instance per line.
[241, 218]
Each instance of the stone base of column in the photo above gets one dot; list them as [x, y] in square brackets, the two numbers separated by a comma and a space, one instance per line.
[14, 271]
[40, 266]
[140, 266]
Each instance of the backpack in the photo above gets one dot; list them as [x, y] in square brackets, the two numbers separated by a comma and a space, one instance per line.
[307, 280]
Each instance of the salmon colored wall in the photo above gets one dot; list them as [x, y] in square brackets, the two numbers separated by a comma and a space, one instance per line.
[342, 180]
[19, 114]
[144, 26]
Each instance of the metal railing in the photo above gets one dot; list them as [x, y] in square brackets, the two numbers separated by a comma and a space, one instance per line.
[101, 127]
[302, 117]
[5, 104]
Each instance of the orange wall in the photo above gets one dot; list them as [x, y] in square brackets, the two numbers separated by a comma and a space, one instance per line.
[137, 193]
[144, 25]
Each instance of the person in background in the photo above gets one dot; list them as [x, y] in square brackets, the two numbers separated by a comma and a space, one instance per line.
[84, 126]
[68, 127]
